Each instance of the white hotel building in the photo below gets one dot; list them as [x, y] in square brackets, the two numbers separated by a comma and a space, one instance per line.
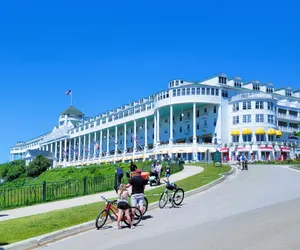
[189, 120]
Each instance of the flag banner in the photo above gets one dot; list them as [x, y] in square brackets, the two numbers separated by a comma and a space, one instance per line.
[96, 145]
[69, 92]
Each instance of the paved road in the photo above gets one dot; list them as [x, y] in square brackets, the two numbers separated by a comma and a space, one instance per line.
[50, 206]
[258, 209]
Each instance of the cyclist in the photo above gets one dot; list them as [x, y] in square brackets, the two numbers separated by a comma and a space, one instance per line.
[137, 194]
[123, 206]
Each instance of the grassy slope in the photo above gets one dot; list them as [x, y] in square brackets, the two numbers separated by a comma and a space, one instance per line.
[18, 229]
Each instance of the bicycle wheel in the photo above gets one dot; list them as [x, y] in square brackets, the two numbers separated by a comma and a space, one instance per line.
[135, 218]
[163, 199]
[178, 196]
[101, 219]
[145, 205]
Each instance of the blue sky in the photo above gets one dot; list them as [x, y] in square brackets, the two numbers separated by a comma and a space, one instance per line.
[114, 52]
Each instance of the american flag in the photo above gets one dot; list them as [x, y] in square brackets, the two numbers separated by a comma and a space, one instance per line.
[136, 140]
[75, 150]
[96, 145]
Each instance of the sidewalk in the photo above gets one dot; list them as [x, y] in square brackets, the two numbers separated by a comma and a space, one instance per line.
[51, 206]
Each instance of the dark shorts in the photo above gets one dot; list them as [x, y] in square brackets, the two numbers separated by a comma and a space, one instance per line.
[123, 205]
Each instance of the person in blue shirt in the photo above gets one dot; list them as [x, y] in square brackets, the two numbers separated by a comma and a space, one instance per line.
[120, 174]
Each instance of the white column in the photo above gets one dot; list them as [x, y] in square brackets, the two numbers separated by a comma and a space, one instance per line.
[60, 150]
[51, 147]
[171, 125]
[134, 136]
[194, 124]
[74, 149]
[154, 131]
[79, 148]
[94, 143]
[116, 140]
[55, 150]
[65, 154]
[89, 149]
[84, 146]
[100, 149]
[107, 142]
[157, 126]
[125, 138]
[70, 150]
[194, 134]
[47, 147]
[146, 135]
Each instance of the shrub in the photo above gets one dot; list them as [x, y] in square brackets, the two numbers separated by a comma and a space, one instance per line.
[13, 172]
[39, 165]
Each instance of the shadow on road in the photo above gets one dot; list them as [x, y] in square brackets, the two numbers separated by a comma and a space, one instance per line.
[3, 215]
[147, 217]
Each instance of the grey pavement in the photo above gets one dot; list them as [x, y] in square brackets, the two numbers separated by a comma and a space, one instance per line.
[255, 209]
[51, 206]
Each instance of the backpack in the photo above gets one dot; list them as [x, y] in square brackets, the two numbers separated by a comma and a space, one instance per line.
[243, 157]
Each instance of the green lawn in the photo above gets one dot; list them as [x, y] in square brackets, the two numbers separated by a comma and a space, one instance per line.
[27, 227]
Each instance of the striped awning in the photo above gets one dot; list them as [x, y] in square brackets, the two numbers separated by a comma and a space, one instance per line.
[247, 131]
[271, 131]
[235, 132]
[260, 131]
[223, 150]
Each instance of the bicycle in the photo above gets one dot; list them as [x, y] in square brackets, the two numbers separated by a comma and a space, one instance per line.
[112, 212]
[175, 197]
[146, 203]
[114, 202]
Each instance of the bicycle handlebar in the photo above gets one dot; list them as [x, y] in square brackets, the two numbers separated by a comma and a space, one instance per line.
[105, 199]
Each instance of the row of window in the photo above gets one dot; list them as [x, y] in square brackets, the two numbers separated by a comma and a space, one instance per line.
[248, 138]
[258, 118]
[193, 91]
[248, 105]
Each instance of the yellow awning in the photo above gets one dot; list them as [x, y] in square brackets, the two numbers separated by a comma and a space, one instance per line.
[271, 131]
[247, 131]
[278, 133]
[260, 131]
[235, 132]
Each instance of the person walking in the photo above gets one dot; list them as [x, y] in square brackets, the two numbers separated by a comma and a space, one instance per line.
[120, 174]
[138, 184]
[168, 171]
[243, 158]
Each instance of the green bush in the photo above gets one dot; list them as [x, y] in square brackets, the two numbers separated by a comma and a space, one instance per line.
[39, 165]
[13, 172]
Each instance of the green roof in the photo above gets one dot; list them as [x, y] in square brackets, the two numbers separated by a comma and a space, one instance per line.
[72, 111]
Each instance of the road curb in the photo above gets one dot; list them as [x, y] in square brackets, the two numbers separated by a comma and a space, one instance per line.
[67, 232]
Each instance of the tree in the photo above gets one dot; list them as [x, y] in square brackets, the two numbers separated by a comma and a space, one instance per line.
[39, 165]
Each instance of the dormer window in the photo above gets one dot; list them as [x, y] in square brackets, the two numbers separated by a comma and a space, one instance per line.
[288, 93]
[237, 84]
[256, 87]
[222, 80]
[269, 90]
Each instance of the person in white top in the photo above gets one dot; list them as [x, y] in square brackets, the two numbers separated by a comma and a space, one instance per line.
[158, 169]
[123, 206]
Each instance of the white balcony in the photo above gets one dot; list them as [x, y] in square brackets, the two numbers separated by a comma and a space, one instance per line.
[288, 129]
[288, 117]
[251, 95]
